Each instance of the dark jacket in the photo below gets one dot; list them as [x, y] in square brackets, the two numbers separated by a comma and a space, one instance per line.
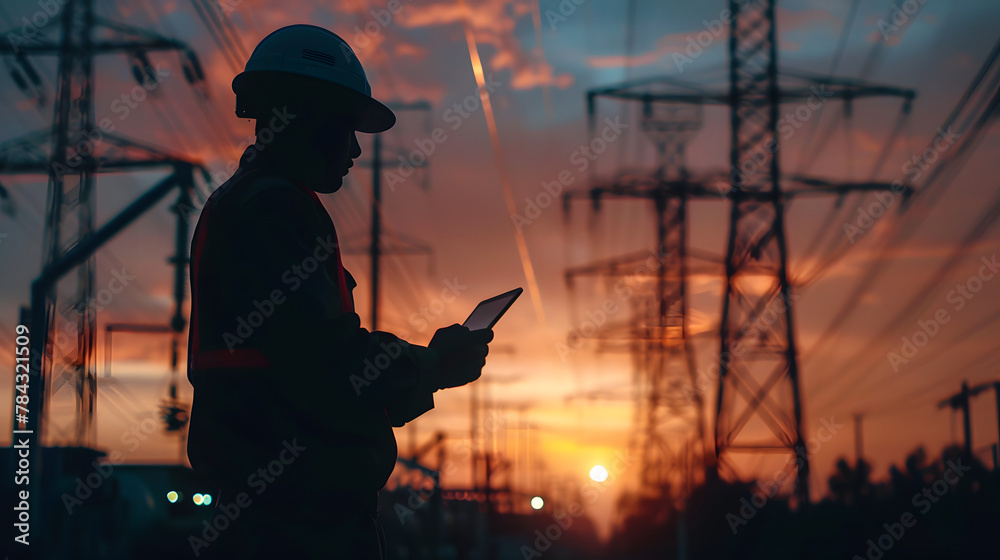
[278, 358]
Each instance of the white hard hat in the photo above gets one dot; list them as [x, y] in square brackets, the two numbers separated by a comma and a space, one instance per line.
[318, 64]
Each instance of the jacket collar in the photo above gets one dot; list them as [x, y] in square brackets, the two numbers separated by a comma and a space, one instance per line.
[255, 157]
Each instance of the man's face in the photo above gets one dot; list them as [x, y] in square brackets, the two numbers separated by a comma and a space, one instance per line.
[335, 141]
[319, 146]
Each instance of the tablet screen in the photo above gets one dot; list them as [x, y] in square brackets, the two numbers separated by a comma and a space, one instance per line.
[489, 311]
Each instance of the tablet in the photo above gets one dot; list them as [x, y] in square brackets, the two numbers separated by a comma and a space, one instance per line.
[489, 311]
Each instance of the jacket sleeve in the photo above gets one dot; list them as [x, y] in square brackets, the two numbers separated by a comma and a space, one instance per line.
[291, 261]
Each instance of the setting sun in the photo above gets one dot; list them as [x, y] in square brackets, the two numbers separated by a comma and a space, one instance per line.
[598, 473]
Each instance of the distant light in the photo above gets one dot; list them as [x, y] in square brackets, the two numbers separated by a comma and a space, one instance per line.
[599, 473]
[206, 499]
[537, 502]
[197, 499]
[172, 496]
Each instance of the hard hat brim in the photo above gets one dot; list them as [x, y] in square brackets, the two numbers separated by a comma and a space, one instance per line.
[250, 86]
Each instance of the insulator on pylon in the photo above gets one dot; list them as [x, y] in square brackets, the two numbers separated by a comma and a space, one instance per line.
[192, 68]
[142, 70]
[22, 85]
[137, 74]
[29, 69]
[595, 200]
[904, 205]
[6, 204]
[907, 105]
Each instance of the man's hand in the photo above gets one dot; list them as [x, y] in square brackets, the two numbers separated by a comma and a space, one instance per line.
[462, 353]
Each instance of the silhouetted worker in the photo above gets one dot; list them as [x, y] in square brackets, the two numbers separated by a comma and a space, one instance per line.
[294, 402]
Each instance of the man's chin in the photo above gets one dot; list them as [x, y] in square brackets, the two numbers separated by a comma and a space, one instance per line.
[330, 187]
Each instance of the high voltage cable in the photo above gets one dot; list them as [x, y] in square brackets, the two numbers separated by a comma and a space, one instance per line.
[223, 44]
[918, 302]
[845, 32]
[900, 233]
[983, 359]
[926, 359]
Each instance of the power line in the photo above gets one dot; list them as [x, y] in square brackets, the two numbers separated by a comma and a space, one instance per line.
[926, 359]
[918, 302]
[901, 233]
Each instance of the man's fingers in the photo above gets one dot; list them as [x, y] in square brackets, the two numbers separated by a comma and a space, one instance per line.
[483, 335]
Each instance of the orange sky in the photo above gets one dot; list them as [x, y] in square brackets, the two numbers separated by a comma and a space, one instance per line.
[421, 54]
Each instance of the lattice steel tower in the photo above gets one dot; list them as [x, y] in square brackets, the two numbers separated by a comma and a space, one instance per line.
[669, 413]
[81, 148]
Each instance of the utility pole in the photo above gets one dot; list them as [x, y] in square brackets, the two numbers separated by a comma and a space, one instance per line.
[858, 442]
[996, 447]
[376, 249]
[961, 400]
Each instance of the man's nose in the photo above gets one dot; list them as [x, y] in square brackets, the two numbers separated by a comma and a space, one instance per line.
[355, 146]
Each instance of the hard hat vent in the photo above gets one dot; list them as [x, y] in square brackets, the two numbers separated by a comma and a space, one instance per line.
[317, 56]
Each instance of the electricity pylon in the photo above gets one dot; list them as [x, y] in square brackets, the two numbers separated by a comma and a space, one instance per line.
[758, 409]
[669, 413]
[82, 147]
